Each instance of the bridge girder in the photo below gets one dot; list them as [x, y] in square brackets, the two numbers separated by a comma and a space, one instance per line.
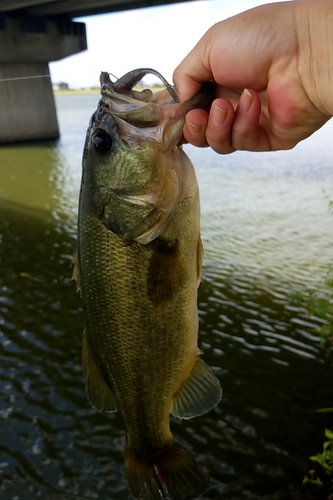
[75, 8]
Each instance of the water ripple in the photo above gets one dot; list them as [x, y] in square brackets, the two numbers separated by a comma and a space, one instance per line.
[266, 232]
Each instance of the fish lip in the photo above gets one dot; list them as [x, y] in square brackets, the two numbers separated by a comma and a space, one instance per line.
[112, 94]
[127, 82]
[152, 121]
[136, 113]
[125, 102]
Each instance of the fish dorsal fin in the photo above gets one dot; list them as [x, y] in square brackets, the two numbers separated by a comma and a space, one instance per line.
[200, 392]
[166, 271]
[98, 392]
[76, 271]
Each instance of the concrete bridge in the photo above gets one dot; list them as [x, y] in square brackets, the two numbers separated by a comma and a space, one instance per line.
[33, 33]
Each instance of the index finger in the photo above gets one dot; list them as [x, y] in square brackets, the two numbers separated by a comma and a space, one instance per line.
[194, 70]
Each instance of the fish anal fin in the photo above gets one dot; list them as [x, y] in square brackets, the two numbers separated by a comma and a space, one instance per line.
[98, 391]
[200, 392]
[171, 473]
[76, 271]
[166, 273]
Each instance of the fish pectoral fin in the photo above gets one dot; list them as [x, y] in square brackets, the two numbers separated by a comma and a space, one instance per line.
[166, 271]
[76, 271]
[98, 391]
[200, 392]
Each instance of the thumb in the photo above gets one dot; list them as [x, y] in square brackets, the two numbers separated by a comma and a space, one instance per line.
[242, 51]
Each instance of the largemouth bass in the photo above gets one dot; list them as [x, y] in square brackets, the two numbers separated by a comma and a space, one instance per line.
[138, 268]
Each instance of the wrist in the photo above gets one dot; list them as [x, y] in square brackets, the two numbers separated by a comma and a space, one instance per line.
[314, 29]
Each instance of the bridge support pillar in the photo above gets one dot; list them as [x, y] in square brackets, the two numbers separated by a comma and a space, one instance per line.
[27, 108]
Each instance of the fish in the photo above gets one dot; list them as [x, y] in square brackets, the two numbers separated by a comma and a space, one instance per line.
[138, 268]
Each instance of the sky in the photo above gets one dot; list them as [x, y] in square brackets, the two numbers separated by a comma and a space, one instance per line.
[155, 37]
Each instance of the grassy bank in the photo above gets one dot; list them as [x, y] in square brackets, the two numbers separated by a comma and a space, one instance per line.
[76, 92]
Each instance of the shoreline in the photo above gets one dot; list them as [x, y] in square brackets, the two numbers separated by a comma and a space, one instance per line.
[95, 91]
[76, 92]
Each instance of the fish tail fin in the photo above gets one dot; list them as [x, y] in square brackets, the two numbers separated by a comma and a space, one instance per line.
[170, 474]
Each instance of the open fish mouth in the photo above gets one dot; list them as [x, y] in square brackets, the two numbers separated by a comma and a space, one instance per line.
[157, 117]
[126, 83]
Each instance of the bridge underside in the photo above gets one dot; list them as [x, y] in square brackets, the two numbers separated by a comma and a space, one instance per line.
[27, 44]
[33, 33]
[75, 8]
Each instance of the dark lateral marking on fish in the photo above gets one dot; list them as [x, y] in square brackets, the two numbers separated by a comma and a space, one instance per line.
[166, 272]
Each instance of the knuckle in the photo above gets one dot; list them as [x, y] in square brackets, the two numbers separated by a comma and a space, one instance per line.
[221, 147]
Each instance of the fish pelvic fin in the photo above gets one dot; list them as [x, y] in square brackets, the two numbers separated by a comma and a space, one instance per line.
[170, 474]
[98, 391]
[200, 392]
[76, 271]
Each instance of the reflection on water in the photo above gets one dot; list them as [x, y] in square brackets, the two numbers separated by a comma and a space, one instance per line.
[46, 176]
[267, 233]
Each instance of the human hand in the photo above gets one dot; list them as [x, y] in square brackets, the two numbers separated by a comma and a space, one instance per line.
[270, 90]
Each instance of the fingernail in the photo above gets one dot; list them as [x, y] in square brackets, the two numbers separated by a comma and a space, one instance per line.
[218, 115]
[245, 101]
[194, 129]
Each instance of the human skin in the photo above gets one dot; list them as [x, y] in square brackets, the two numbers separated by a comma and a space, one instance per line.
[273, 73]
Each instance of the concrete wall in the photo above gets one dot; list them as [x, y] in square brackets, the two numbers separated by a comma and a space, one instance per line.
[27, 109]
[37, 39]
[27, 44]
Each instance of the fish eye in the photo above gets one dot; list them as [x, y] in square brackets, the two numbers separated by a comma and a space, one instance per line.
[101, 141]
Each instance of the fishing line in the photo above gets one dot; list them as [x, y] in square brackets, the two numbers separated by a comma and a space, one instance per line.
[34, 77]
[114, 76]
[23, 78]
[39, 76]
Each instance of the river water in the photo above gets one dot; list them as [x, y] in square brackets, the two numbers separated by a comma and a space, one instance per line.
[267, 233]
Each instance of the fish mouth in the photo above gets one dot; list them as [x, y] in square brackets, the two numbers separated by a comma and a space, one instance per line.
[146, 116]
[125, 85]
